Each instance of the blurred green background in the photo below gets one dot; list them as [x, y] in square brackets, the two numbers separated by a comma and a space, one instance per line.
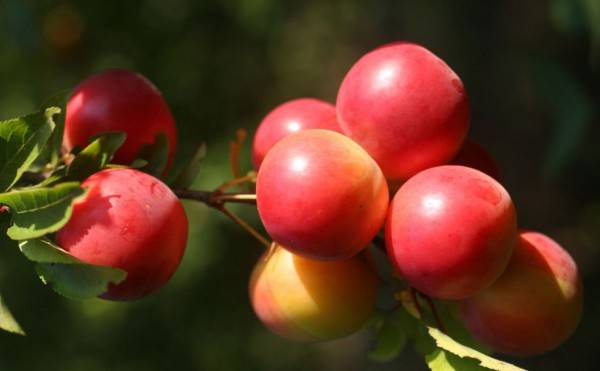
[532, 71]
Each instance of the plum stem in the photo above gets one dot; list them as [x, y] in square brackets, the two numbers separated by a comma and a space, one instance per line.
[242, 223]
[436, 316]
[250, 177]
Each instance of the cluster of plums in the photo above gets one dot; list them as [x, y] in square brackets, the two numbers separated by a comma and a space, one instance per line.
[325, 175]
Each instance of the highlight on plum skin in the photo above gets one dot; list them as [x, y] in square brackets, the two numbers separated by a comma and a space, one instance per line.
[312, 300]
[128, 220]
[406, 107]
[450, 231]
[534, 306]
[321, 195]
[118, 100]
[291, 117]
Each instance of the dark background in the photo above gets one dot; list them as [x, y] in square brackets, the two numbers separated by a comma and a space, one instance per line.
[532, 72]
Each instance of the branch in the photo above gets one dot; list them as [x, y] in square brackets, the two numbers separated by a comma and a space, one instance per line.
[215, 199]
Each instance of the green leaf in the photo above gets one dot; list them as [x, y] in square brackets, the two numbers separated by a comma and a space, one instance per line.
[391, 339]
[190, 172]
[441, 360]
[95, 156]
[21, 142]
[445, 342]
[156, 155]
[7, 321]
[38, 211]
[67, 275]
[54, 146]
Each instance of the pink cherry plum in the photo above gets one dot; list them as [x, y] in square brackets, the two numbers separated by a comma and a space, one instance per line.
[406, 107]
[450, 231]
[291, 117]
[534, 306]
[321, 195]
[129, 220]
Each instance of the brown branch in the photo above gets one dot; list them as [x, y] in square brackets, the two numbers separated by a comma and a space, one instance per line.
[215, 199]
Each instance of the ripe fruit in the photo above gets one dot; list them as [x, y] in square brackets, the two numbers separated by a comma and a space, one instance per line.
[291, 117]
[534, 306]
[129, 220]
[406, 107]
[320, 195]
[450, 231]
[475, 156]
[118, 100]
[304, 299]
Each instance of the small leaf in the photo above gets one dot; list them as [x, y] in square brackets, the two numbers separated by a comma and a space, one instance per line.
[67, 275]
[447, 343]
[54, 146]
[21, 142]
[190, 172]
[391, 339]
[157, 156]
[7, 321]
[38, 211]
[95, 156]
[441, 360]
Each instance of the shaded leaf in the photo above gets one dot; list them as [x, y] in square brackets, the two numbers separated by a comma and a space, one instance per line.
[54, 146]
[21, 142]
[190, 172]
[39, 211]
[7, 321]
[67, 275]
[95, 156]
[445, 342]
[392, 336]
[156, 155]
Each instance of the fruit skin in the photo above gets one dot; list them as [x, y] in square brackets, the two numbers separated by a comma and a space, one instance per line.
[450, 231]
[291, 117]
[474, 155]
[534, 306]
[305, 299]
[406, 107]
[118, 100]
[320, 195]
[129, 220]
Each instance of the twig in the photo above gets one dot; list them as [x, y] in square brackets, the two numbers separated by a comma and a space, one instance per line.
[215, 199]
[242, 223]
[413, 294]
[435, 313]
[250, 177]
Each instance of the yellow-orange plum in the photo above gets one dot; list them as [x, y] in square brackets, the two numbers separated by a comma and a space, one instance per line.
[305, 299]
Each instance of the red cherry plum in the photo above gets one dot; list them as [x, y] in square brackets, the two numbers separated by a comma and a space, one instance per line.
[406, 107]
[534, 306]
[320, 195]
[129, 220]
[450, 231]
[291, 117]
[118, 100]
